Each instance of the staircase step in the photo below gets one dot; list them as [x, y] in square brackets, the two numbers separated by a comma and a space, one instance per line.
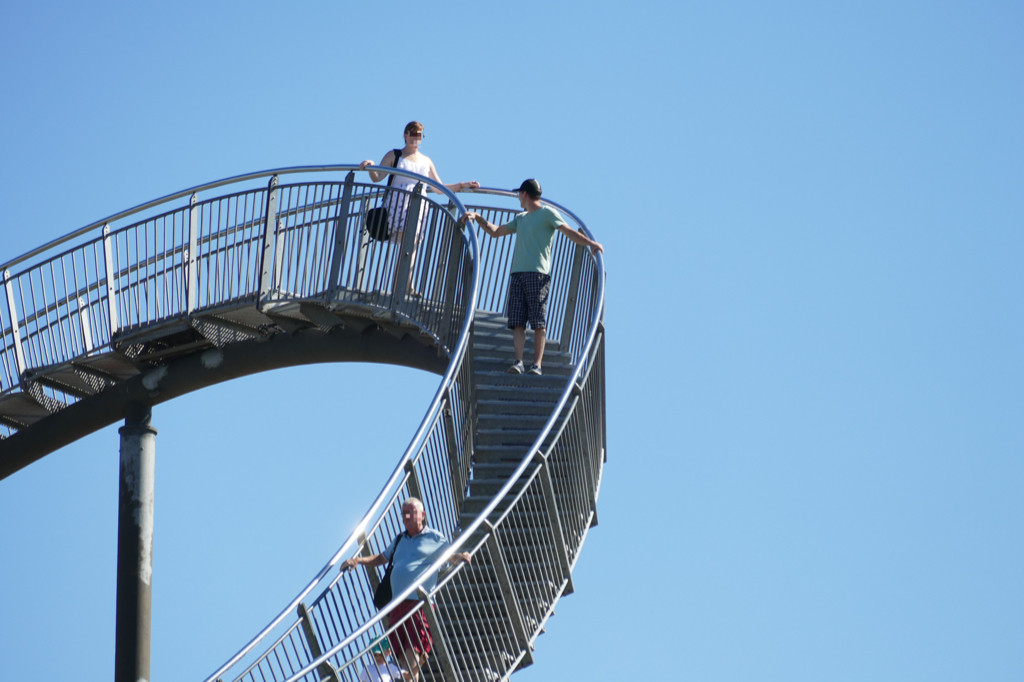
[525, 393]
[507, 436]
[501, 377]
[486, 420]
[552, 367]
[494, 406]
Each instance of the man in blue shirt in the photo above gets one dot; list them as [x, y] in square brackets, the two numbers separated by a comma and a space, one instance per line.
[530, 280]
[414, 551]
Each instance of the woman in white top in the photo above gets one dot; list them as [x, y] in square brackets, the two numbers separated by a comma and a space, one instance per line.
[412, 160]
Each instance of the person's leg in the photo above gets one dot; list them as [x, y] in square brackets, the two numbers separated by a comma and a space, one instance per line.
[411, 662]
[537, 305]
[519, 341]
[539, 339]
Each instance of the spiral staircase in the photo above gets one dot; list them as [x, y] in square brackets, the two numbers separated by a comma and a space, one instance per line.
[203, 286]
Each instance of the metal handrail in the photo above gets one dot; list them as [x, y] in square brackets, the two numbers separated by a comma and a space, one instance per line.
[221, 183]
[528, 459]
[37, 316]
[433, 409]
[452, 390]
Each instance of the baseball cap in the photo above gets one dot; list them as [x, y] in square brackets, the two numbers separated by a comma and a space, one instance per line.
[382, 647]
[531, 187]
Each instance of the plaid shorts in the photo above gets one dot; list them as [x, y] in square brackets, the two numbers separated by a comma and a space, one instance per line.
[528, 300]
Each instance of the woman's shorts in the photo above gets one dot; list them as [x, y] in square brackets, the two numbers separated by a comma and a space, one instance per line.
[528, 300]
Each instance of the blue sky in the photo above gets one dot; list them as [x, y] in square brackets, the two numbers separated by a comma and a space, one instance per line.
[814, 226]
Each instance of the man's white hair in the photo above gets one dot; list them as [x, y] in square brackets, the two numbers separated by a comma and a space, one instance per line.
[415, 501]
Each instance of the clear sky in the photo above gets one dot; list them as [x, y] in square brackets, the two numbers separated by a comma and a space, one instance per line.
[814, 222]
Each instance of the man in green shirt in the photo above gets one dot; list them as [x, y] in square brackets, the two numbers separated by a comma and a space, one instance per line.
[530, 280]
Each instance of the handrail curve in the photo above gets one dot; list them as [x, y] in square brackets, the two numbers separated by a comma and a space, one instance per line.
[588, 349]
[209, 272]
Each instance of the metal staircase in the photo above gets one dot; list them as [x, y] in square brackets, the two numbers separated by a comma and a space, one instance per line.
[201, 289]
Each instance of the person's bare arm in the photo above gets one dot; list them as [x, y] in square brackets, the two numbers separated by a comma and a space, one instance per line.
[455, 187]
[376, 176]
[371, 561]
[580, 238]
[488, 227]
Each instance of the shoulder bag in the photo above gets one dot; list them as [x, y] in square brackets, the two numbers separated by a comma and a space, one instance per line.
[382, 595]
[377, 218]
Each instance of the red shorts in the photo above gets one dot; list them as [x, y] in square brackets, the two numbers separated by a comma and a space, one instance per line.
[413, 633]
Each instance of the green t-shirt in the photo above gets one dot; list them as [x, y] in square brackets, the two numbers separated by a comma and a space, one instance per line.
[535, 232]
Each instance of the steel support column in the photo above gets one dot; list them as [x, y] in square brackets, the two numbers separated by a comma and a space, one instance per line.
[135, 546]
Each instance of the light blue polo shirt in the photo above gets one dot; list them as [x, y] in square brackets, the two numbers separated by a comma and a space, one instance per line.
[534, 234]
[414, 555]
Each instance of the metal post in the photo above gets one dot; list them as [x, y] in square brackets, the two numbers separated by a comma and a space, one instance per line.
[12, 311]
[450, 281]
[440, 638]
[108, 264]
[570, 303]
[550, 503]
[327, 671]
[405, 256]
[452, 441]
[367, 552]
[508, 595]
[135, 545]
[269, 225]
[340, 236]
[414, 483]
[364, 245]
[190, 256]
[83, 319]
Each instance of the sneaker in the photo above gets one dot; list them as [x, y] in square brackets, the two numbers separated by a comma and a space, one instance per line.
[535, 369]
[516, 368]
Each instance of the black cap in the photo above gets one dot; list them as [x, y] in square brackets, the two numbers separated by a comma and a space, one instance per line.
[531, 187]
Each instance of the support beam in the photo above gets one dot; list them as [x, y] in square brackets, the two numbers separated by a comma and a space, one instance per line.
[135, 546]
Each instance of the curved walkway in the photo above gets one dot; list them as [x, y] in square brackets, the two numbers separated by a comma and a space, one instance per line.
[200, 289]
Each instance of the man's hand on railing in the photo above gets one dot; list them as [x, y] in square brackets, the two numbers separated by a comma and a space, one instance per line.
[375, 560]
[461, 556]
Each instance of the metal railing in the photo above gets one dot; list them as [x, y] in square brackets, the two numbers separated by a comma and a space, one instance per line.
[264, 247]
[264, 252]
[485, 617]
